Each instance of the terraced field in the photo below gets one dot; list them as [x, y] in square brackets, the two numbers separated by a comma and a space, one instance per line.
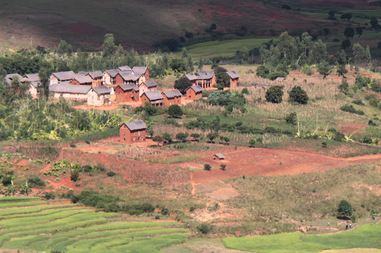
[35, 225]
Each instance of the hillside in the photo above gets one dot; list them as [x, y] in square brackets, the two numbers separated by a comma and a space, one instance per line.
[142, 24]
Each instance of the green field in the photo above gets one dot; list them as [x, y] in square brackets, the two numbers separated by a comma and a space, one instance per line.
[35, 225]
[224, 48]
[367, 236]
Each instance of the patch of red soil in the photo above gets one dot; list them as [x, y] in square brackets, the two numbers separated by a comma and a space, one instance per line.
[97, 108]
[352, 128]
[64, 182]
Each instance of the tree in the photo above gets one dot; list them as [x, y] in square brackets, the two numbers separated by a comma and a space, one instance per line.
[222, 77]
[109, 47]
[359, 31]
[298, 95]
[324, 69]
[25, 189]
[263, 71]
[275, 94]
[346, 44]
[341, 70]
[182, 84]
[167, 138]
[349, 32]
[344, 87]
[292, 118]
[175, 111]
[196, 136]
[374, 23]
[332, 15]
[344, 210]
[44, 75]
[182, 137]
[347, 16]
[361, 55]
[64, 48]
[212, 136]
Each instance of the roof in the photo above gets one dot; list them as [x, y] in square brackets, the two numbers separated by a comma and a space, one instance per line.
[195, 88]
[125, 68]
[32, 78]
[233, 74]
[112, 72]
[139, 70]
[151, 83]
[64, 75]
[127, 86]
[83, 78]
[10, 77]
[128, 76]
[70, 88]
[202, 75]
[153, 95]
[172, 93]
[219, 156]
[102, 90]
[136, 125]
[95, 74]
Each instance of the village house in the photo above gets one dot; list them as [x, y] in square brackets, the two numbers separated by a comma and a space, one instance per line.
[34, 82]
[153, 97]
[96, 77]
[58, 77]
[172, 97]
[147, 86]
[124, 68]
[143, 72]
[81, 79]
[193, 92]
[108, 78]
[69, 91]
[126, 77]
[100, 95]
[127, 92]
[204, 79]
[135, 131]
[234, 79]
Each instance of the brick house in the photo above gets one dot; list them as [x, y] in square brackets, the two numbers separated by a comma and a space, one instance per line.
[203, 79]
[124, 77]
[171, 97]
[147, 86]
[234, 79]
[153, 97]
[135, 131]
[143, 72]
[34, 82]
[81, 79]
[127, 92]
[193, 92]
[64, 76]
[96, 77]
[100, 95]
[108, 78]
[69, 91]
[125, 68]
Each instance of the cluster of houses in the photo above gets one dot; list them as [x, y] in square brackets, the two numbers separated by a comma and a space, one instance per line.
[121, 85]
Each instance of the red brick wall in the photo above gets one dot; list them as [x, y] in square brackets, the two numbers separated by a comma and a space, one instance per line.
[125, 96]
[174, 101]
[191, 94]
[147, 75]
[118, 79]
[233, 83]
[126, 136]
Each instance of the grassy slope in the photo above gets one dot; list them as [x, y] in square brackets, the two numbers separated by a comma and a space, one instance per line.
[142, 23]
[37, 225]
[367, 236]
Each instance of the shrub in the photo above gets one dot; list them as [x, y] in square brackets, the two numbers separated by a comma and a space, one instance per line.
[182, 137]
[212, 137]
[165, 211]
[336, 135]
[36, 182]
[344, 87]
[207, 167]
[298, 95]
[74, 175]
[358, 102]
[175, 111]
[110, 173]
[274, 94]
[204, 228]
[351, 109]
[307, 70]
[292, 118]
[182, 84]
[167, 138]
[344, 210]
[223, 167]
[262, 71]
[49, 195]
[324, 69]
[245, 91]
[324, 144]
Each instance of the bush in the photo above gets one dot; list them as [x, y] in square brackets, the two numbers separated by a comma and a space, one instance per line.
[298, 95]
[274, 94]
[175, 111]
[292, 118]
[167, 138]
[245, 91]
[358, 102]
[344, 210]
[182, 137]
[223, 167]
[207, 167]
[344, 87]
[262, 71]
[351, 109]
[182, 84]
[110, 173]
[204, 228]
[36, 182]
[165, 211]
[307, 70]
[49, 195]
[74, 175]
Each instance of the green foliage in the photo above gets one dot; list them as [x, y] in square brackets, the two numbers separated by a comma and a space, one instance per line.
[207, 167]
[361, 55]
[109, 46]
[167, 137]
[344, 210]
[64, 48]
[298, 95]
[245, 91]
[204, 228]
[292, 118]
[111, 174]
[344, 87]
[351, 109]
[212, 136]
[307, 70]
[182, 137]
[230, 100]
[36, 182]
[324, 69]
[223, 79]
[175, 111]
[182, 84]
[49, 195]
[274, 94]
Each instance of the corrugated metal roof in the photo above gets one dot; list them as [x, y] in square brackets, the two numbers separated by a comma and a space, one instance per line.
[64, 75]
[172, 93]
[70, 88]
[153, 95]
[136, 125]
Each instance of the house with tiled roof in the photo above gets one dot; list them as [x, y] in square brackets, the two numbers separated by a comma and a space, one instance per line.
[143, 72]
[153, 97]
[193, 92]
[171, 97]
[127, 92]
[204, 79]
[34, 82]
[100, 95]
[148, 85]
[134, 131]
[96, 77]
[108, 78]
[64, 76]
[69, 91]
[81, 79]
[234, 79]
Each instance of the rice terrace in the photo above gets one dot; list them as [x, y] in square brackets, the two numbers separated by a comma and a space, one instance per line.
[190, 126]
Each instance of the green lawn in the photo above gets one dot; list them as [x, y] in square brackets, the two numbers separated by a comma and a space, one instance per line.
[366, 236]
[30, 224]
[224, 48]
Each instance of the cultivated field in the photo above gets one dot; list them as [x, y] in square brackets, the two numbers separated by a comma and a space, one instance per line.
[39, 226]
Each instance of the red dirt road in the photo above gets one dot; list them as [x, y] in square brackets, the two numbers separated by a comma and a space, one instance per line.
[274, 162]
